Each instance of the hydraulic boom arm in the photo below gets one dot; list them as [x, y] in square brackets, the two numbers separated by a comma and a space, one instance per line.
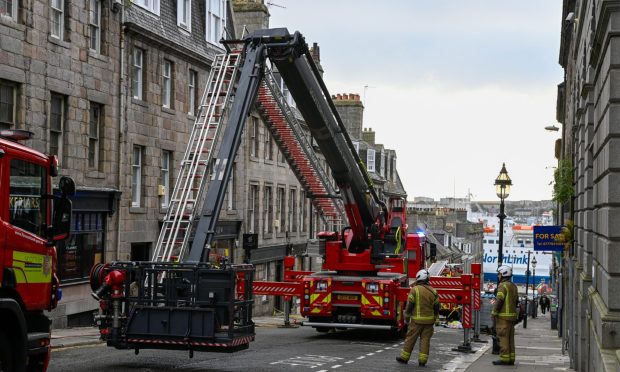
[290, 54]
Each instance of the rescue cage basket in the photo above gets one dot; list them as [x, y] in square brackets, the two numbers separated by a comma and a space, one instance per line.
[182, 306]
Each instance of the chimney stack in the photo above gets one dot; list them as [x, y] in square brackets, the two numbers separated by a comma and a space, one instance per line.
[351, 111]
[253, 14]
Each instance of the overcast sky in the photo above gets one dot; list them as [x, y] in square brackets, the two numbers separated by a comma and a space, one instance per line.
[455, 87]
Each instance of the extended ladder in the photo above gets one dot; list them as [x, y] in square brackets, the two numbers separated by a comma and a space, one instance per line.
[189, 187]
[300, 153]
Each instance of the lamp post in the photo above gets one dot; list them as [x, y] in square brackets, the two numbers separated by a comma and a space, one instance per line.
[534, 291]
[527, 285]
[502, 189]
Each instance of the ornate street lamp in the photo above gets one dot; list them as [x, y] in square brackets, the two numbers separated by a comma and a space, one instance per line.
[534, 291]
[502, 189]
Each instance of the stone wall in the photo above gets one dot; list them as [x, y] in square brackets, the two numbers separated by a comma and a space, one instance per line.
[591, 116]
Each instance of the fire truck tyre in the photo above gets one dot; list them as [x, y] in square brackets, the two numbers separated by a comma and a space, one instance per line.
[322, 329]
[37, 362]
[6, 354]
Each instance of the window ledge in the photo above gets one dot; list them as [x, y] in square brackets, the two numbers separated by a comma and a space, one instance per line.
[139, 102]
[98, 56]
[281, 235]
[95, 174]
[137, 210]
[231, 212]
[12, 23]
[168, 110]
[57, 41]
[191, 117]
[184, 30]
[269, 161]
[268, 236]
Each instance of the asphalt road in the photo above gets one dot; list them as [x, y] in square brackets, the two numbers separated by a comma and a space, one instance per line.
[277, 349]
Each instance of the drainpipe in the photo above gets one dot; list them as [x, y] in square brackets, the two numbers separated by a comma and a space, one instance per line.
[121, 128]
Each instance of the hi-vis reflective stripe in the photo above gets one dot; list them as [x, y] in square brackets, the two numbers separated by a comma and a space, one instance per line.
[32, 267]
[377, 300]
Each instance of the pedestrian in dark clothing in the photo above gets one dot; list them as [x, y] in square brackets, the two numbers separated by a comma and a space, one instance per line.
[544, 303]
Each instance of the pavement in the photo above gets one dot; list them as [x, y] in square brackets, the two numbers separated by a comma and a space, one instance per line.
[538, 346]
[538, 349]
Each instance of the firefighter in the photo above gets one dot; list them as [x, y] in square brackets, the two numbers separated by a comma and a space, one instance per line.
[505, 315]
[423, 309]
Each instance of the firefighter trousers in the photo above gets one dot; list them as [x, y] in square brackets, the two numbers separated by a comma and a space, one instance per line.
[506, 334]
[424, 332]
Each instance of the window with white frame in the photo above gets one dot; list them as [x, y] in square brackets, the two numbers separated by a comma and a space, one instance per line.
[253, 208]
[268, 210]
[382, 170]
[286, 93]
[184, 14]
[136, 177]
[370, 160]
[166, 160]
[302, 211]
[254, 137]
[150, 5]
[230, 190]
[268, 145]
[95, 25]
[137, 73]
[216, 20]
[7, 104]
[167, 92]
[281, 208]
[8, 8]
[292, 209]
[56, 124]
[57, 21]
[191, 92]
[94, 128]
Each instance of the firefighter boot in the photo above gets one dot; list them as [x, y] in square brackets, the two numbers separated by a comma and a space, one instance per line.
[502, 363]
[401, 360]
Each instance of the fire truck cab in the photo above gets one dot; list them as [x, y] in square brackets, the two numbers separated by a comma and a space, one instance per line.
[32, 220]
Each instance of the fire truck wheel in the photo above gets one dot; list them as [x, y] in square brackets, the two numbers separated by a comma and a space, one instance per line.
[6, 356]
[322, 329]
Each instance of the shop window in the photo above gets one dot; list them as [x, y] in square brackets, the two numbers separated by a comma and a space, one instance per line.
[78, 254]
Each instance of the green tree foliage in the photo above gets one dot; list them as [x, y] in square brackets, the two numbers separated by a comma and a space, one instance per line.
[563, 181]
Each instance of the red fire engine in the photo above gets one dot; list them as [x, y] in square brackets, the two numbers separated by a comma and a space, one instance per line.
[182, 300]
[32, 220]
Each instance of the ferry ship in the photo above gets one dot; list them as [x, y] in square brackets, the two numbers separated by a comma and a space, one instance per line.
[518, 241]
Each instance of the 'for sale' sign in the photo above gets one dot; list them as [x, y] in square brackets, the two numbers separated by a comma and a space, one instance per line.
[548, 238]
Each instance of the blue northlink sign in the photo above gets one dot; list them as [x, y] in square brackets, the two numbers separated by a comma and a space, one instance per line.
[548, 238]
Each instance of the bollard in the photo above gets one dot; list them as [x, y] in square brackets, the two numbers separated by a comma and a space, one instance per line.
[287, 314]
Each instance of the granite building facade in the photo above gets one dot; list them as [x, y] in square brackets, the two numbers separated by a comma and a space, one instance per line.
[112, 88]
[587, 106]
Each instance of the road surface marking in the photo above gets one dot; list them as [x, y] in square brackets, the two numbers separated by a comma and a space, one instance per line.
[362, 357]
[349, 362]
[370, 354]
[337, 366]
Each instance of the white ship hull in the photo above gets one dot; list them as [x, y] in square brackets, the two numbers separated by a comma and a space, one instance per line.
[518, 243]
